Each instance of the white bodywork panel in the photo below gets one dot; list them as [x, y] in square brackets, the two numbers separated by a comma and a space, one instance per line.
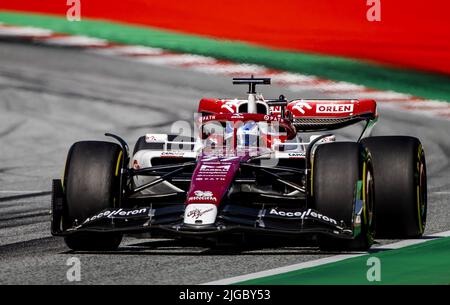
[144, 160]
[200, 214]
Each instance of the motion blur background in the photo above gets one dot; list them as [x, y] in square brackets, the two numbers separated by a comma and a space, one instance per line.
[411, 34]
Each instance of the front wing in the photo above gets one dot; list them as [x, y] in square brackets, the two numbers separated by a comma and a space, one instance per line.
[167, 220]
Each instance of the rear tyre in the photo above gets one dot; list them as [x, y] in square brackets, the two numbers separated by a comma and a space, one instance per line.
[342, 179]
[401, 186]
[91, 185]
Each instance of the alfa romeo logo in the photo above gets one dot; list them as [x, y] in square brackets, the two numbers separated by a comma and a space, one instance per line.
[203, 194]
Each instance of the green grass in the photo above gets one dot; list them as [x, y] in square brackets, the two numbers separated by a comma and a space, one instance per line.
[426, 263]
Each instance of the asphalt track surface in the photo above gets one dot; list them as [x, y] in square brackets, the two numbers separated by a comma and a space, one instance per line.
[52, 97]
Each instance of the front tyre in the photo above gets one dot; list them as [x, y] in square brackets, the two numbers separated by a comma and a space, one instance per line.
[343, 186]
[91, 185]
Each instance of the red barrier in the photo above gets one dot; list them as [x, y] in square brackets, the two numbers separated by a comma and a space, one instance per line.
[411, 33]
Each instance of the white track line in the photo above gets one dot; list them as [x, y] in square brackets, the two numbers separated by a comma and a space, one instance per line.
[227, 69]
[322, 261]
[11, 31]
[329, 87]
[428, 104]
[383, 95]
[176, 59]
[440, 193]
[23, 192]
[76, 41]
[129, 51]
[288, 78]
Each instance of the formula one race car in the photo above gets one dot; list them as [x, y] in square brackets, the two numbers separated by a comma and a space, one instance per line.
[255, 167]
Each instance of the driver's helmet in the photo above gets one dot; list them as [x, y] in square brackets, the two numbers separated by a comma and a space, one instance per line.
[247, 134]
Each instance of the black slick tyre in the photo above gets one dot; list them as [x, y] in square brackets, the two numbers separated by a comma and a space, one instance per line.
[91, 185]
[343, 186]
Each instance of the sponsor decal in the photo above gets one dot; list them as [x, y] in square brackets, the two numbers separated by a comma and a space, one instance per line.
[224, 159]
[207, 118]
[203, 178]
[237, 116]
[334, 108]
[328, 139]
[172, 154]
[301, 106]
[197, 213]
[231, 106]
[296, 155]
[302, 215]
[214, 168]
[120, 213]
[150, 138]
[203, 195]
[275, 109]
[213, 171]
[155, 138]
[272, 118]
[200, 214]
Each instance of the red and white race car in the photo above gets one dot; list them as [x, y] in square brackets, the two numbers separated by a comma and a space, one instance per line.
[255, 167]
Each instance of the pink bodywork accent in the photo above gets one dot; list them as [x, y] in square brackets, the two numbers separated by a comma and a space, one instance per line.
[212, 178]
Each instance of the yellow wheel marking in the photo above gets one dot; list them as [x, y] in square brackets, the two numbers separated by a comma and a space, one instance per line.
[64, 172]
[117, 173]
[118, 163]
[364, 193]
[419, 208]
[312, 172]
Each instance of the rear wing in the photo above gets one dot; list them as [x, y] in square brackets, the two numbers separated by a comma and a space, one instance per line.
[305, 114]
[317, 114]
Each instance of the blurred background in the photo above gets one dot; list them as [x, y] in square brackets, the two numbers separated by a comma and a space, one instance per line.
[412, 34]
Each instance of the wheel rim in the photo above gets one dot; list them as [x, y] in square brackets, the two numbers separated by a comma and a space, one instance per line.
[368, 201]
[369, 197]
[422, 194]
